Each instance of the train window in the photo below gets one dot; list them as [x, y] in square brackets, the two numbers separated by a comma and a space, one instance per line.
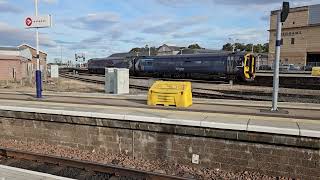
[148, 63]
[247, 62]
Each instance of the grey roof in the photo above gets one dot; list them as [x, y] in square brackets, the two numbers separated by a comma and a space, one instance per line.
[201, 51]
[221, 53]
[9, 48]
[11, 57]
[175, 48]
[124, 54]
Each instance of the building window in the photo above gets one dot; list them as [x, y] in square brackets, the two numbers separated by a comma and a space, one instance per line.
[281, 42]
[292, 40]
[293, 22]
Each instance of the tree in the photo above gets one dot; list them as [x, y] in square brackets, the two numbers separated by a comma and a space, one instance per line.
[258, 48]
[227, 47]
[134, 50]
[195, 46]
[266, 48]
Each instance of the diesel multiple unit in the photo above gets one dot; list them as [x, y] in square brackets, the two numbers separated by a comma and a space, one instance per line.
[237, 66]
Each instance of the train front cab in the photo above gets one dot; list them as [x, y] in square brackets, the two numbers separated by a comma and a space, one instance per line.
[249, 67]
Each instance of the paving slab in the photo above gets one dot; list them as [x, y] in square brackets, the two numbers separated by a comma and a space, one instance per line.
[310, 128]
[273, 125]
[226, 121]
[183, 118]
[12, 173]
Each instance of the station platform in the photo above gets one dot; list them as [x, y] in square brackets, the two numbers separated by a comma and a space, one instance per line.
[295, 119]
[12, 173]
[296, 75]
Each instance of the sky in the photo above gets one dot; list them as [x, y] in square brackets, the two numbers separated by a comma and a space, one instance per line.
[99, 28]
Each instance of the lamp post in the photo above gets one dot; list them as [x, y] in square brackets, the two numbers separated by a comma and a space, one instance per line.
[148, 49]
[233, 43]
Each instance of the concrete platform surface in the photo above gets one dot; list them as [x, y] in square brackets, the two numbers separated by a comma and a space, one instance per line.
[12, 173]
[295, 110]
[288, 75]
[265, 124]
[48, 95]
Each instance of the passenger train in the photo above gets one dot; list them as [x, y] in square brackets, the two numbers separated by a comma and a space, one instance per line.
[226, 65]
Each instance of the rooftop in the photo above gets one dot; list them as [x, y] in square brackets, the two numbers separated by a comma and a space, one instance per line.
[9, 48]
[10, 57]
[294, 9]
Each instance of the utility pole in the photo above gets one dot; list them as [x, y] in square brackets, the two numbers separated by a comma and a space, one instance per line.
[60, 54]
[281, 17]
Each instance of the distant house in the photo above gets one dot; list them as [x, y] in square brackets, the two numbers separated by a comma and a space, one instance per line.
[42, 56]
[168, 50]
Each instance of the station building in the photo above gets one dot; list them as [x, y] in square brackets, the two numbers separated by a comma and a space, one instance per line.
[18, 63]
[300, 36]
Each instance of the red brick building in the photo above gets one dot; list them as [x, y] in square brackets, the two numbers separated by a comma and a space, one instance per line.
[13, 67]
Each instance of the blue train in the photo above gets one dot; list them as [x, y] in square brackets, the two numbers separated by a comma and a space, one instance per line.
[226, 65]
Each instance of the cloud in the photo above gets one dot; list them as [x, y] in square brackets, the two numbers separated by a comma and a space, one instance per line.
[174, 25]
[191, 34]
[11, 36]
[64, 42]
[6, 7]
[265, 18]
[250, 35]
[242, 3]
[49, 1]
[135, 41]
[94, 21]
[175, 3]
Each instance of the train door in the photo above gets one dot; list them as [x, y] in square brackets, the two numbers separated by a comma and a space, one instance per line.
[249, 68]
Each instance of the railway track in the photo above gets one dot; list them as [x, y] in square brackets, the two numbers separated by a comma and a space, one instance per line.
[75, 168]
[99, 81]
[213, 94]
[196, 92]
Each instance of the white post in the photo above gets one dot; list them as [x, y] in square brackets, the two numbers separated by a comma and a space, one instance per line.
[37, 38]
[38, 71]
[275, 93]
[149, 52]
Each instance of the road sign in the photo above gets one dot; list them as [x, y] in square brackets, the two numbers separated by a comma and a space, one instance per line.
[28, 21]
[38, 21]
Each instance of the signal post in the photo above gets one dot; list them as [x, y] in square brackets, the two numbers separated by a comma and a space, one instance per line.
[281, 17]
[38, 22]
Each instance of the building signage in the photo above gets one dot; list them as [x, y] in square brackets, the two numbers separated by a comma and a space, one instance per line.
[38, 21]
[293, 33]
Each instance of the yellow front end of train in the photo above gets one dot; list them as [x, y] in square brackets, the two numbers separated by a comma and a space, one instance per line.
[249, 67]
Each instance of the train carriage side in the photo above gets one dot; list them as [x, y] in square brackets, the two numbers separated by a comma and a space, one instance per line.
[205, 66]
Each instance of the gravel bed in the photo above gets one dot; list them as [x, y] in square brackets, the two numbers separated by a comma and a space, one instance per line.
[125, 161]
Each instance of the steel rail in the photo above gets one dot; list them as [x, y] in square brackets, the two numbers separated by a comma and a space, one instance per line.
[214, 94]
[86, 165]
